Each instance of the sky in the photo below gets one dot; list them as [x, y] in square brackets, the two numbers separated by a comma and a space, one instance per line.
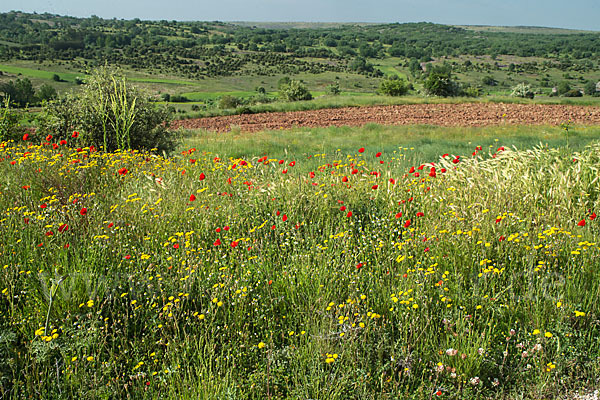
[574, 14]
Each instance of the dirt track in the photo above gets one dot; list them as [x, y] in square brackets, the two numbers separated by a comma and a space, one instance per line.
[466, 114]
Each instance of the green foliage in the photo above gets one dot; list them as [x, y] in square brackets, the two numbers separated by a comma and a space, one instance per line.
[590, 88]
[563, 87]
[294, 91]
[573, 93]
[46, 92]
[334, 89]
[439, 82]
[393, 87]
[489, 80]
[21, 92]
[110, 113]
[227, 102]
[523, 90]
[10, 127]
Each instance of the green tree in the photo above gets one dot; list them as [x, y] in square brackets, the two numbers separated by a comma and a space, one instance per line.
[46, 92]
[439, 82]
[294, 91]
[393, 87]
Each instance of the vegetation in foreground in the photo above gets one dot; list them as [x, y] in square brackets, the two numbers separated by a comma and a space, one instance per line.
[357, 273]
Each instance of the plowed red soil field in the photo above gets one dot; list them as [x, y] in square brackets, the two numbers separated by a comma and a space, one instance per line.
[465, 114]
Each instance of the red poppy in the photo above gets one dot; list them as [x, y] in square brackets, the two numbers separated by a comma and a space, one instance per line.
[343, 208]
[176, 246]
[361, 150]
[374, 187]
[398, 215]
[407, 223]
[128, 257]
[359, 265]
[411, 170]
[392, 181]
[292, 163]
[432, 172]
[49, 233]
[48, 138]
[593, 216]
[217, 242]
[75, 134]
[284, 171]
[110, 225]
[349, 214]
[581, 223]
[281, 162]
[284, 218]
[234, 244]
[354, 171]
[26, 137]
[63, 142]
[63, 228]
[226, 228]
[311, 174]
[345, 179]
[218, 230]
[456, 160]
[202, 176]
[192, 197]
[42, 206]
[420, 214]
[378, 154]
[123, 171]
[83, 211]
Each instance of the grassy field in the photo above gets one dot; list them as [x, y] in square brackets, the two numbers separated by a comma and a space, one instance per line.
[341, 263]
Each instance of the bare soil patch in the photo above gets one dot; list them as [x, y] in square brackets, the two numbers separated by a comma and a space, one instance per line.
[464, 114]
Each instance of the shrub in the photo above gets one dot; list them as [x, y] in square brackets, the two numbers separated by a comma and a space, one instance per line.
[470, 91]
[294, 91]
[522, 90]
[393, 87]
[111, 114]
[573, 93]
[10, 128]
[177, 98]
[334, 89]
[46, 93]
[489, 81]
[440, 83]
[227, 102]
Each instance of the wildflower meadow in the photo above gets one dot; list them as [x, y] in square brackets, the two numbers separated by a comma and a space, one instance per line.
[346, 274]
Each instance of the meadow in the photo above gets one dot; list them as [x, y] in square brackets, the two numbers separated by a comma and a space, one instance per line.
[335, 263]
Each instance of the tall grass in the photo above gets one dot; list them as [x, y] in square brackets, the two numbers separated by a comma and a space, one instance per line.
[334, 274]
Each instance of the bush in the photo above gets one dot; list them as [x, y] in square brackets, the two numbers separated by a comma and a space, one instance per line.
[10, 128]
[177, 98]
[523, 90]
[294, 91]
[334, 89]
[227, 102]
[563, 87]
[489, 81]
[46, 93]
[111, 114]
[440, 83]
[393, 87]
[470, 91]
[573, 93]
